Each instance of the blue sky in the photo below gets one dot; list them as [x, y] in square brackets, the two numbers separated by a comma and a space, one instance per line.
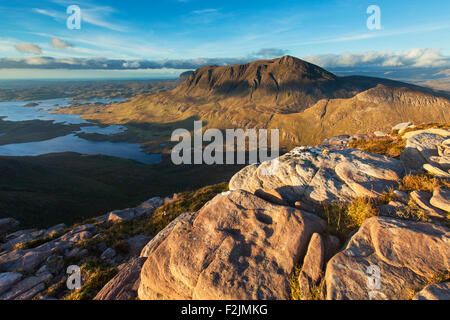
[163, 38]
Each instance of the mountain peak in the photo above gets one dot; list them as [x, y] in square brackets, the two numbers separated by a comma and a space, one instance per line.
[270, 81]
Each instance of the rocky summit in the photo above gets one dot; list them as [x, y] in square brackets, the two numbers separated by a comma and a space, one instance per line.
[355, 217]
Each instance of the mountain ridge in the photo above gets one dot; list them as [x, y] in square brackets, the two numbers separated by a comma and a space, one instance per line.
[283, 93]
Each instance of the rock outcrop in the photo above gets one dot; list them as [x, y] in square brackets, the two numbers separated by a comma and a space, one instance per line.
[427, 148]
[125, 284]
[235, 247]
[32, 260]
[435, 291]
[441, 199]
[147, 207]
[312, 265]
[319, 176]
[387, 259]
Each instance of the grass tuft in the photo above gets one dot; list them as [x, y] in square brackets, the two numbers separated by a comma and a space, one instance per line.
[343, 219]
[97, 274]
[422, 182]
[386, 146]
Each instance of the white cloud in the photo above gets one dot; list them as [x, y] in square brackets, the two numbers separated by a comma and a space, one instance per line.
[50, 13]
[205, 11]
[270, 53]
[60, 44]
[28, 48]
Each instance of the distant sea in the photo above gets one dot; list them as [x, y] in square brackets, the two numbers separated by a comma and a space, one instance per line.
[25, 83]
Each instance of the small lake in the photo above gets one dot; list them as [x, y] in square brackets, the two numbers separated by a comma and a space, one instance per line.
[16, 111]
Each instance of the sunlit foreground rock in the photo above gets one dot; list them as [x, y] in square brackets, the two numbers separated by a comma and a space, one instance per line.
[321, 176]
[237, 246]
[407, 254]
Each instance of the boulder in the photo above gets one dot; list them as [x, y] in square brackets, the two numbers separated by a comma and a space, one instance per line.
[435, 291]
[435, 171]
[55, 229]
[332, 246]
[108, 254]
[441, 199]
[7, 280]
[21, 237]
[25, 285]
[271, 196]
[159, 238]
[30, 294]
[235, 247]
[401, 126]
[6, 225]
[24, 260]
[76, 237]
[137, 243]
[401, 196]
[147, 207]
[309, 175]
[393, 208]
[422, 149]
[380, 134]
[312, 269]
[422, 199]
[387, 258]
[125, 284]
[435, 131]
[301, 205]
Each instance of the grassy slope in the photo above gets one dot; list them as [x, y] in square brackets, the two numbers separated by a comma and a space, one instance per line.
[67, 187]
[325, 119]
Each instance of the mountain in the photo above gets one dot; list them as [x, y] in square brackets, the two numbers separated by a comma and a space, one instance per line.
[304, 101]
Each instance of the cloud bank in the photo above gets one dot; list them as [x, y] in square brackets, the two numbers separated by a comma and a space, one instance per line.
[409, 58]
[414, 58]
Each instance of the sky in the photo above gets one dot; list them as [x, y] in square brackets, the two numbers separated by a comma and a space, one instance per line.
[158, 39]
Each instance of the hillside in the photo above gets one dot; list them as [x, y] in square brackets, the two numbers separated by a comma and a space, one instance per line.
[314, 229]
[285, 93]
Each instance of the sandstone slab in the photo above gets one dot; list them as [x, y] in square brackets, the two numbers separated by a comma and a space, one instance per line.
[435, 291]
[422, 149]
[387, 258]
[147, 207]
[312, 269]
[311, 175]
[441, 199]
[25, 285]
[125, 284]
[422, 199]
[8, 279]
[235, 247]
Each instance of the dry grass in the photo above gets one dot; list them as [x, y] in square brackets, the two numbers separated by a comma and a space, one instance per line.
[343, 219]
[388, 196]
[386, 146]
[422, 182]
[412, 212]
[294, 285]
[315, 291]
[97, 275]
